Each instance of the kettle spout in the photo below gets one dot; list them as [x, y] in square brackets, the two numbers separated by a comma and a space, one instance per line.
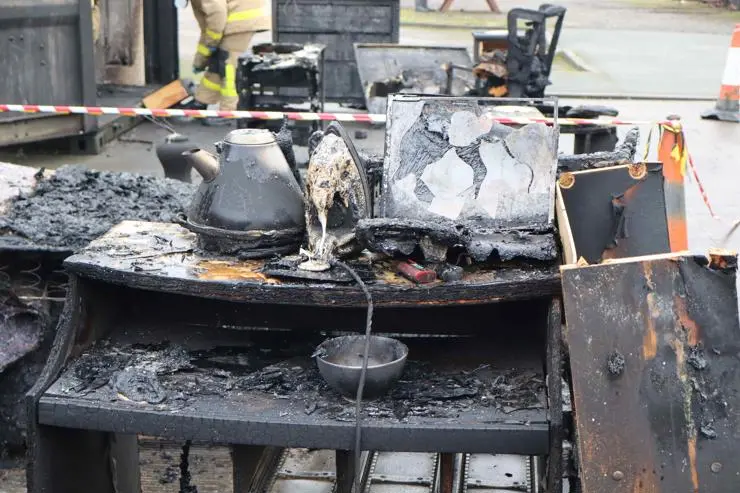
[205, 163]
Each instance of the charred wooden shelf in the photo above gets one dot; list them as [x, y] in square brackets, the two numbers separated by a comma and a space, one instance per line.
[157, 339]
[163, 257]
[225, 386]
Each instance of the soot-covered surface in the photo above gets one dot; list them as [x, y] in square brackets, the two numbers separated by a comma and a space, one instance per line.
[76, 205]
[447, 159]
[21, 334]
[274, 373]
[161, 257]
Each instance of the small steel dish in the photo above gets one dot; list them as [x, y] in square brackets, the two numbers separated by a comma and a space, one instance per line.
[340, 364]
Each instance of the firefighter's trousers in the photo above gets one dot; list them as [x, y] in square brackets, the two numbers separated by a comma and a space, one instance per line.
[215, 90]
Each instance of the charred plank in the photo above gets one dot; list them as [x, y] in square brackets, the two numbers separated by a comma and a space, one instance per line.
[653, 351]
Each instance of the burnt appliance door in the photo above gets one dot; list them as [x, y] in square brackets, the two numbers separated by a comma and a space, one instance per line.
[614, 212]
[653, 345]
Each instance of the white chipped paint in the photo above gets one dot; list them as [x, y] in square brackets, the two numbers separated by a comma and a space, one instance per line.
[465, 127]
[731, 77]
[506, 181]
[451, 181]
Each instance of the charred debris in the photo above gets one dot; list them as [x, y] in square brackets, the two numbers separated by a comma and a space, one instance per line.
[169, 376]
[479, 193]
[75, 205]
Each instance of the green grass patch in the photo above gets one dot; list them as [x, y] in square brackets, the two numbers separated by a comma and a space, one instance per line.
[455, 19]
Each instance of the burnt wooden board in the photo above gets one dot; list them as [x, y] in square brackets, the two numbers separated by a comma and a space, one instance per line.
[655, 358]
[163, 257]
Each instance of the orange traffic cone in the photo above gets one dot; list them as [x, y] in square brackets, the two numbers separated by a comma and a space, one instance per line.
[728, 104]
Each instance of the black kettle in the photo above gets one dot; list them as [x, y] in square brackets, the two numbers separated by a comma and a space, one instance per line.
[249, 203]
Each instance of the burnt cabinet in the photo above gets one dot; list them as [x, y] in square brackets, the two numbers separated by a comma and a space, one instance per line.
[338, 25]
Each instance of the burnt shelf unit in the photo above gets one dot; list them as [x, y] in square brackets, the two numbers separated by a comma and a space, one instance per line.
[338, 25]
[122, 305]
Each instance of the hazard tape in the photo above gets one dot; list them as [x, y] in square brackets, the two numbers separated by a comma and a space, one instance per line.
[341, 117]
[700, 186]
[167, 113]
[278, 115]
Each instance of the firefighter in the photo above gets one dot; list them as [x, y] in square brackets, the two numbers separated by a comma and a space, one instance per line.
[227, 28]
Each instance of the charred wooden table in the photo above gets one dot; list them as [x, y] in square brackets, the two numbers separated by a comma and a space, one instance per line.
[157, 339]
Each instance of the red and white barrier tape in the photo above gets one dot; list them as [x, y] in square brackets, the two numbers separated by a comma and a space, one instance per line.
[165, 113]
[700, 186]
[309, 116]
[277, 115]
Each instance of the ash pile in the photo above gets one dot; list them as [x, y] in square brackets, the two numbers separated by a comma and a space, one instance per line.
[75, 205]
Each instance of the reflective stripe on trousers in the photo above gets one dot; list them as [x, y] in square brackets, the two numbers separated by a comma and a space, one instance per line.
[214, 90]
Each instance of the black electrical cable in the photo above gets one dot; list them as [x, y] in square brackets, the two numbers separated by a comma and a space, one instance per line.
[185, 477]
[363, 371]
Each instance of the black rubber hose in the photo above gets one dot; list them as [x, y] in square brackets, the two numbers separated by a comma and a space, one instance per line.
[363, 371]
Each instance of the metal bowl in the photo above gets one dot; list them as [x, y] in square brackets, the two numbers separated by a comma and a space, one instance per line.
[340, 364]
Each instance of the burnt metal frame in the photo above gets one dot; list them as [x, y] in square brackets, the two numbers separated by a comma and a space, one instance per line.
[519, 54]
[89, 304]
[161, 42]
[394, 34]
[250, 100]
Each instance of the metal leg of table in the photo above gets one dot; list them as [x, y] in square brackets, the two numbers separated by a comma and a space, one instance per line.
[67, 460]
[447, 472]
[346, 467]
[124, 463]
[554, 368]
[245, 460]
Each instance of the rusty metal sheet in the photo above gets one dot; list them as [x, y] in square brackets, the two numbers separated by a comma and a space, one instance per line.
[616, 212]
[654, 348]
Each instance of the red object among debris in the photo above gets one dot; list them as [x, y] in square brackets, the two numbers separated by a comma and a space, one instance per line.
[415, 272]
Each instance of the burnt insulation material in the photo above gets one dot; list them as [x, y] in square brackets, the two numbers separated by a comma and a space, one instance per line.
[24, 346]
[76, 205]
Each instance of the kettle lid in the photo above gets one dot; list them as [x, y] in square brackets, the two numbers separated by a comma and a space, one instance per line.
[250, 136]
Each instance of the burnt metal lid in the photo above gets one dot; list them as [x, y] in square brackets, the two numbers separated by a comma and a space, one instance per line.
[250, 136]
